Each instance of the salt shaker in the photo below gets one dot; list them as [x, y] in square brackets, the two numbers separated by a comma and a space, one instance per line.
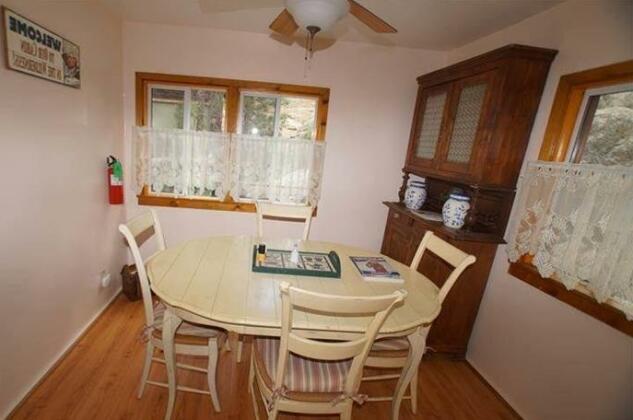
[294, 255]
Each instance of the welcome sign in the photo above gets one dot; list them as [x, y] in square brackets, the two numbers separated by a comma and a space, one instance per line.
[37, 51]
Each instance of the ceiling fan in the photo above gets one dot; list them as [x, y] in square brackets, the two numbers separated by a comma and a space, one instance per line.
[318, 15]
[312, 15]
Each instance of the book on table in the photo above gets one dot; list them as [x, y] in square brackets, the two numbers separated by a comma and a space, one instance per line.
[376, 269]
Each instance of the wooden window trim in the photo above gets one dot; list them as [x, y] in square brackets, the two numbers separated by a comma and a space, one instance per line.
[556, 144]
[568, 100]
[233, 88]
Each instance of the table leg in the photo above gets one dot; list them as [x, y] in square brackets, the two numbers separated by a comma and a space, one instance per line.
[417, 340]
[171, 322]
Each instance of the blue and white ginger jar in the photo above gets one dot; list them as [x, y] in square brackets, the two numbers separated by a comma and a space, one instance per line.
[415, 195]
[455, 210]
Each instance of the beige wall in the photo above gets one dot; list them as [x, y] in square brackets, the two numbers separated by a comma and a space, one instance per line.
[372, 93]
[547, 359]
[57, 231]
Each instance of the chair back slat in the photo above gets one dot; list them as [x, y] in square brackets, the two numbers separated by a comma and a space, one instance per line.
[294, 299]
[324, 350]
[140, 223]
[283, 211]
[136, 227]
[334, 304]
[454, 256]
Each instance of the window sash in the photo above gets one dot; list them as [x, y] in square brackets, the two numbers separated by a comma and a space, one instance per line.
[574, 153]
[186, 104]
[277, 120]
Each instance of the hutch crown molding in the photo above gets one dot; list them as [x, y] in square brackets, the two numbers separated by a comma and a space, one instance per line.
[470, 130]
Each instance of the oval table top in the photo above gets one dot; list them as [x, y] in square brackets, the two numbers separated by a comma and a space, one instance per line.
[212, 280]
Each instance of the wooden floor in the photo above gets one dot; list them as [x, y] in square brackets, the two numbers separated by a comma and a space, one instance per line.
[99, 377]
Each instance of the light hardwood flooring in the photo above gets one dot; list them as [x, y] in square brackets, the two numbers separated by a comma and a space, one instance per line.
[98, 379]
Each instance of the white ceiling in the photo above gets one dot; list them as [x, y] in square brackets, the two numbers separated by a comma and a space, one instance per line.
[428, 24]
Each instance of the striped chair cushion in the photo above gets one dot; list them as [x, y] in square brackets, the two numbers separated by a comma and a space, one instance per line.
[185, 328]
[302, 374]
[391, 344]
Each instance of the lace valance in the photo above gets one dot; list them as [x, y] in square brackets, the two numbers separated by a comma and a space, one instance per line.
[576, 220]
[199, 164]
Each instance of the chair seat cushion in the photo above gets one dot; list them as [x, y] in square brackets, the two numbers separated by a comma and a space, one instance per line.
[185, 328]
[303, 375]
[391, 344]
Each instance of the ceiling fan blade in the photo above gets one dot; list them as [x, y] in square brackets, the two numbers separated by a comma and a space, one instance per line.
[284, 24]
[370, 19]
[218, 6]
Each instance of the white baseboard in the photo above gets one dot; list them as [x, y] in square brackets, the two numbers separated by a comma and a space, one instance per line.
[44, 372]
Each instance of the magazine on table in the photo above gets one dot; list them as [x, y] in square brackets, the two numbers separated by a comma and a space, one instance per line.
[376, 269]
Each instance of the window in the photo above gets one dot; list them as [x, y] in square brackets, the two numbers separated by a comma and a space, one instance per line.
[187, 108]
[167, 108]
[604, 128]
[591, 121]
[186, 164]
[222, 144]
[275, 115]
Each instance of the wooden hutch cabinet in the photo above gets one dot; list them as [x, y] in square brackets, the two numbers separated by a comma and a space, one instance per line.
[470, 129]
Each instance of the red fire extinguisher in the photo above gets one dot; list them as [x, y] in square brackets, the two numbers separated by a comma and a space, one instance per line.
[115, 180]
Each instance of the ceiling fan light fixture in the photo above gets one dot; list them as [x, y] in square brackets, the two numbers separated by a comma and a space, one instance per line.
[321, 14]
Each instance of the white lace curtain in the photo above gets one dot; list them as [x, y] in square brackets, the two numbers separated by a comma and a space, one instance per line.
[205, 164]
[182, 162]
[276, 169]
[576, 220]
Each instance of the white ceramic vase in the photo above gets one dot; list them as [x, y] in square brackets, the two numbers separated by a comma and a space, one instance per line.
[415, 195]
[454, 211]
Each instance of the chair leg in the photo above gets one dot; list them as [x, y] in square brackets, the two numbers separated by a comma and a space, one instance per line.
[347, 413]
[251, 387]
[227, 343]
[149, 353]
[239, 348]
[171, 322]
[211, 373]
[251, 371]
[417, 342]
[413, 386]
[273, 413]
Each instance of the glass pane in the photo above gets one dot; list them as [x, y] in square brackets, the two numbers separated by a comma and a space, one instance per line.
[258, 115]
[297, 118]
[207, 110]
[429, 130]
[471, 100]
[167, 108]
[610, 138]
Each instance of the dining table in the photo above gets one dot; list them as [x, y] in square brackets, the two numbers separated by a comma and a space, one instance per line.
[210, 281]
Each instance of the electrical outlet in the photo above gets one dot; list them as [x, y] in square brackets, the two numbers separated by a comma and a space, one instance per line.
[105, 278]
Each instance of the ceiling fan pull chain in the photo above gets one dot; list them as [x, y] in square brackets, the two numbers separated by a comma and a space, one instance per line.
[309, 49]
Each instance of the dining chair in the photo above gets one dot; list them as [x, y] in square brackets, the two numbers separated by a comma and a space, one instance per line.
[297, 374]
[278, 211]
[392, 353]
[190, 339]
[284, 211]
